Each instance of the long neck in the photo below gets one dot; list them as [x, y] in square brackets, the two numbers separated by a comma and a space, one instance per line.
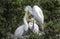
[25, 23]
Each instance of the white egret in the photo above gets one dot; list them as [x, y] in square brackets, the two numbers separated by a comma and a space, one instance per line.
[21, 29]
[38, 16]
[37, 13]
[33, 26]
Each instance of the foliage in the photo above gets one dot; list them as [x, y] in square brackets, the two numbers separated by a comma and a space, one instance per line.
[12, 12]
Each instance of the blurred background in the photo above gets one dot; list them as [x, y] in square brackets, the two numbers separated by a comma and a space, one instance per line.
[12, 12]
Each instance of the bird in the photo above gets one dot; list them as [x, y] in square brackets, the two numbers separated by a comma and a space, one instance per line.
[33, 26]
[19, 32]
[37, 13]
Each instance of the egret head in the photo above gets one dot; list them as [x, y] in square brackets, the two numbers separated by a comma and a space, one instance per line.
[28, 9]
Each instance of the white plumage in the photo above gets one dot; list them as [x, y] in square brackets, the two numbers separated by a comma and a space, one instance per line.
[38, 16]
[28, 9]
[36, 12]
[34, 27]
[20, 30]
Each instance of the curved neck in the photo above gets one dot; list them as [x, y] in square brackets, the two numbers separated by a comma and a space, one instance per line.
[25, 23]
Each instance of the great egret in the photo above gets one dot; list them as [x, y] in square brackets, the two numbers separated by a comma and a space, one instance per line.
[20, 30]
[37, 13]
[33, 26]
[38, 16]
